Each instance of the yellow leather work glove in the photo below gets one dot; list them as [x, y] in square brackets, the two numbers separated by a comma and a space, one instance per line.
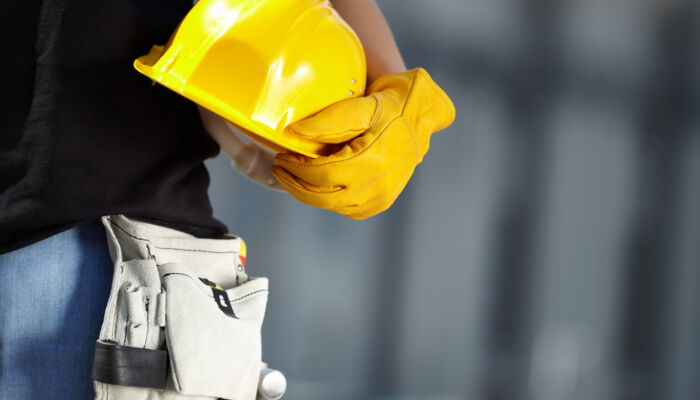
[384, 134]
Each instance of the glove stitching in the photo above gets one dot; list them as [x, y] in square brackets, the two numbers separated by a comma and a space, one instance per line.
[371, 87]
[377, 110]
[393, 195]
[340, 133]
[410, 92]
[286, 182]
[298, 164]
[441, 93]
[380, 109]
[372, 180]
[333, 135]
[415, 139]
[375, 178]
[293, 183]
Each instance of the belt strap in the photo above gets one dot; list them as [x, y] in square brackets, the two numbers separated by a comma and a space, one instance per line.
[130, 366]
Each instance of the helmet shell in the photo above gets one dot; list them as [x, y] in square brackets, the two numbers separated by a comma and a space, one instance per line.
[262, 65]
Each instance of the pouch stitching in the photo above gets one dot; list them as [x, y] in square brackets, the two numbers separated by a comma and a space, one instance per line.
[148, 324]
[249, 294]
[208, 295]
[196, 283]
[170, 248]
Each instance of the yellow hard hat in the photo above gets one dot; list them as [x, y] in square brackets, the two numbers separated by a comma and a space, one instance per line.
[262, 64]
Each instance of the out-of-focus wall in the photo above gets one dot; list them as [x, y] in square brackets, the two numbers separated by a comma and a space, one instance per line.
[547, 248]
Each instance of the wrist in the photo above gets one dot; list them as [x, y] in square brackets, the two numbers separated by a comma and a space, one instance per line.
[376, 70]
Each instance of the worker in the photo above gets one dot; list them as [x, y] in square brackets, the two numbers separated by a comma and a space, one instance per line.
[83, 137]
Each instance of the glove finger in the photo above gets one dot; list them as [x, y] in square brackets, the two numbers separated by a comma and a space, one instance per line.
[359, 160]
[321, 172]
[339, 122]
[381, 194]
[316, 196]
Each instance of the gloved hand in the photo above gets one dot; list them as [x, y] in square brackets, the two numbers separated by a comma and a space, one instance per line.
[385, 135]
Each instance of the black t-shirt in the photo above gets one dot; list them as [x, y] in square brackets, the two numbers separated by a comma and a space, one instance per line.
[82, 134]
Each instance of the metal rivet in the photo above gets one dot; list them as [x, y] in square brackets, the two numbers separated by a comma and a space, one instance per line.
[146, 299]
[240, 267]
[350, 92]
[353, 80]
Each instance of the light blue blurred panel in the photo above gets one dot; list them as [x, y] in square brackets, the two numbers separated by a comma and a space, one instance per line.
[610, 42]
[446, 283]
[455, 26]
[683, 366]
[581, 250]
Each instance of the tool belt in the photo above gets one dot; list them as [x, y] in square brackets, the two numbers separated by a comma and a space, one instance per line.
[182, 321]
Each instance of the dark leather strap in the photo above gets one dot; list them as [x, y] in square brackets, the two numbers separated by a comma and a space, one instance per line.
[130, 366]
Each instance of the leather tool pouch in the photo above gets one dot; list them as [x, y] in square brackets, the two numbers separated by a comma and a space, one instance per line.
[183, 319]
[212, 334]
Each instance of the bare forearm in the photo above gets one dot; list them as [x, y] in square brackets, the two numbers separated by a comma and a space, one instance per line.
[365, 17]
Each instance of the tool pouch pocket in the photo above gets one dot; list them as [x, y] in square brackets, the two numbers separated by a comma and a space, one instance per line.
[131, 350]
[213, 333]
[140, 306]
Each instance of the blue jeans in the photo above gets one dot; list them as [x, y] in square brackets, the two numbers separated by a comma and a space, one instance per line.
[52, 301]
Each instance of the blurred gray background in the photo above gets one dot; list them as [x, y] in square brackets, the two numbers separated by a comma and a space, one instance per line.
[548, 247]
